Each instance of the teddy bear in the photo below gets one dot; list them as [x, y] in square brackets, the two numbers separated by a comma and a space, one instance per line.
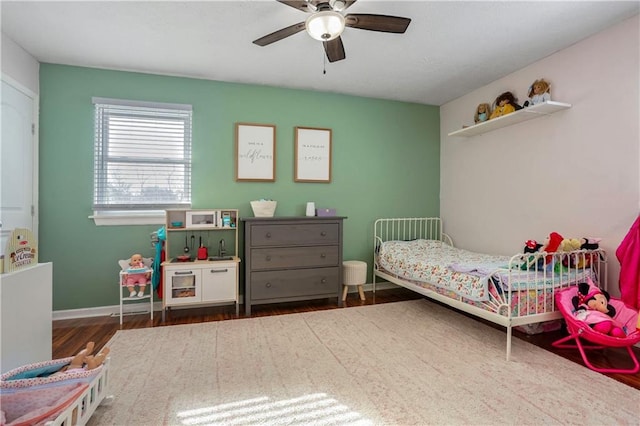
[506, 103]
[539, 92]
[592, 306]
[482, 113]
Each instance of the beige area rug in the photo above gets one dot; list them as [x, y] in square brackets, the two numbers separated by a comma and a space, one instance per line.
[404, 363]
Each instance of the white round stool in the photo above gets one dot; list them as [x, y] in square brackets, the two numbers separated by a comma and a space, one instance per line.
[354, 273]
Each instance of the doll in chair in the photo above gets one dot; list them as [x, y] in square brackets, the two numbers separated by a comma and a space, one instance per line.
[137, 274]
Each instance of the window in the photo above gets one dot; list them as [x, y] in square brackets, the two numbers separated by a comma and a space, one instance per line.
[142, 157]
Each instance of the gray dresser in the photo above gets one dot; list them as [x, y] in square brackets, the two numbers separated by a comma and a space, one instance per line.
[292, 258]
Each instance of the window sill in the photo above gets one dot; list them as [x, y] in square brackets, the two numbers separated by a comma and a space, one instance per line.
[122, 218]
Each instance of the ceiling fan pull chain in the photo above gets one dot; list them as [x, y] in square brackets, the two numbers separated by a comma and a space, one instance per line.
[324, 63]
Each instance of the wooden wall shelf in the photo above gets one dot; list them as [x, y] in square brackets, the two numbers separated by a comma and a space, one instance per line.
[519, 116]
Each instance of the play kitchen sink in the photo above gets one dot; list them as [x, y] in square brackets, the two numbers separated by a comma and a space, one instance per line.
[213, 258]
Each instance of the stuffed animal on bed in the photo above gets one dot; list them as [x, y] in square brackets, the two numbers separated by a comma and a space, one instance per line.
[592, 306]
[551, 245]
[590, 243]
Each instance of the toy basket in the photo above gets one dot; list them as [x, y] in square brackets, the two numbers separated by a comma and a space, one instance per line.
[263, 208]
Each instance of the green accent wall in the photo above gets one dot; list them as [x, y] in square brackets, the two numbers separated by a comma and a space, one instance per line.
[385, 163]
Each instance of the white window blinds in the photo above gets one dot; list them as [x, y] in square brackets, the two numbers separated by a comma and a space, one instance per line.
[142, 155]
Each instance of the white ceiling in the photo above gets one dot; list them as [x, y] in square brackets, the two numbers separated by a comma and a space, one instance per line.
[449, 49]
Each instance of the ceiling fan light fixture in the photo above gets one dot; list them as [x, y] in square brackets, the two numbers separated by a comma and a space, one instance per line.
[325, 25]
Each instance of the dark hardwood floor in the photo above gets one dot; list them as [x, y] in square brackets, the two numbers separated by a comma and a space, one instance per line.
[70, 336]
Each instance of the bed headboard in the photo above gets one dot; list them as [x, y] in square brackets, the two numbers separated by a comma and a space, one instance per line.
[408, 228]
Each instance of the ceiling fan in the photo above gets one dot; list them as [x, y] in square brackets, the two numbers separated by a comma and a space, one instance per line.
[327, 22]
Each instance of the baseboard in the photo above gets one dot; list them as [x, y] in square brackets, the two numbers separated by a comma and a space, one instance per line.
[130, 308]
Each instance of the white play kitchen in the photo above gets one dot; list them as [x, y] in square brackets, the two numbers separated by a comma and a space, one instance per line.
[201, 252]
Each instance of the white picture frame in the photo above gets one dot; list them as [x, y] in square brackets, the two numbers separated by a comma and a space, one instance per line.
[255, 152]
[312, 155]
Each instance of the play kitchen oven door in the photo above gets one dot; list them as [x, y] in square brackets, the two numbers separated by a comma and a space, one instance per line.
[183, 285]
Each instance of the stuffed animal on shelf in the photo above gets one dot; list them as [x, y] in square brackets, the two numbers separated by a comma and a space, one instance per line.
[483, 111]
[138, 274]
[506, 103]
[539, 92]
[591, 305]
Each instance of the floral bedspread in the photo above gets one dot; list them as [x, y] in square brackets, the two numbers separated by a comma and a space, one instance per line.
[429, 261]
[464, 272]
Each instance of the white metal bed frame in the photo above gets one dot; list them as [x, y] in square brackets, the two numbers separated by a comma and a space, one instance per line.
[498, 309]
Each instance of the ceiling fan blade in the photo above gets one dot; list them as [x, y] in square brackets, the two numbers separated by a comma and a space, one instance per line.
[334, 49]
[280, 34]
[300, 5]
[384, 23]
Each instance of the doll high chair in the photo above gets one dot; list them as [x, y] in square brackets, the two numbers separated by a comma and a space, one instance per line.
[124, 292]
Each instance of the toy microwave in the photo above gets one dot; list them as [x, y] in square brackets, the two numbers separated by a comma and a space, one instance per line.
[201, 219]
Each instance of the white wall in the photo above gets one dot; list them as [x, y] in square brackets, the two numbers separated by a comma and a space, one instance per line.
[575, 172]
[20, 65]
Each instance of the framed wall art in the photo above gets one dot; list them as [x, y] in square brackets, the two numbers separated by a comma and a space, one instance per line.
[255, 152]
[312, 155]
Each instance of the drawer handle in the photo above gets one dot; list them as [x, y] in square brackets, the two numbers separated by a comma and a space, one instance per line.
[184, 273]
[268, 258]
[323, 255]
[324, 234]
[323, 281]
[268, 285]
[215, 271]
[268, 235]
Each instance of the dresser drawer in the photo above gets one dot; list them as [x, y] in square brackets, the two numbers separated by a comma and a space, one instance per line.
[295, 234]
[294, 283]
[294, 257]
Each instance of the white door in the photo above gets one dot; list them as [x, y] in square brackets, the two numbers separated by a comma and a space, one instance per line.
[17, 147]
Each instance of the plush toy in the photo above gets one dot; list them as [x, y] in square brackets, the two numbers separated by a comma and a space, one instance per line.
[531, 246]
[570, 244]
[590, 243]
[482, 113]
[505, 104]
[591, 305]
[539, 92]
[571, 260]
[551, 245]
[136, 274]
